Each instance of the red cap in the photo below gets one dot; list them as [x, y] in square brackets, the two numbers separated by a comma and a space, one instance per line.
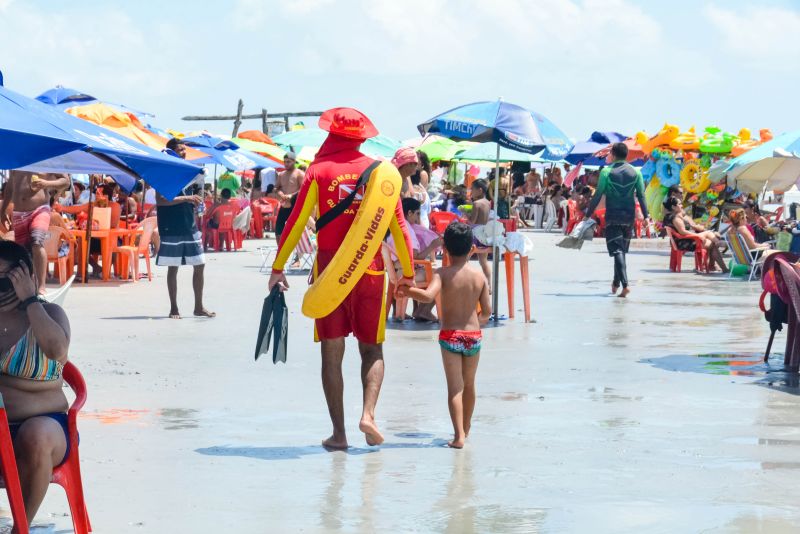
[347, 122]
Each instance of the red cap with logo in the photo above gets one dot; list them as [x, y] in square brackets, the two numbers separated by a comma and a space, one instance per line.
[347, 122]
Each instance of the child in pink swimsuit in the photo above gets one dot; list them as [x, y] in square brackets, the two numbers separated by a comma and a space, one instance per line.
[460, 289]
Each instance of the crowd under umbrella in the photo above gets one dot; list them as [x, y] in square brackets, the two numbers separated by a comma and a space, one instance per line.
[775, 164]
[39, 138]
[508, 125]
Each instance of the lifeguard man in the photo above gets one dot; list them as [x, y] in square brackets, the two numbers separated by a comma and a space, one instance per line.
[329, 180]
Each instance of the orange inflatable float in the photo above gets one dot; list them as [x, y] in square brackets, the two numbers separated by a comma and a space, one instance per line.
[765, 134]
[663, 137]
[686, 141]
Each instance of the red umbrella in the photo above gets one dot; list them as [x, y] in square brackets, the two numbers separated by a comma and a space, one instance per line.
[635, 151]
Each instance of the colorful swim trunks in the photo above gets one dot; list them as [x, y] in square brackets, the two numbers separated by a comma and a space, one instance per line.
[464, 342]
[31, 227]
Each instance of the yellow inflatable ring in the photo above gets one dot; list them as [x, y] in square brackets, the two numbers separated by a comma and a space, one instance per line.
[694, 178]
[360, 245]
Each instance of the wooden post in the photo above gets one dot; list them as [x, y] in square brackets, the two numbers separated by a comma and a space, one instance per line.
[237, 121]
[286, 122]
[264, 127]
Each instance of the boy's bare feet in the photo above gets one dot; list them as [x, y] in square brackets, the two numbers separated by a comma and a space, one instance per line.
[456, 444]
[335, 443]
[624, 292]
[370, 430]
[204, 313]
[174, 314]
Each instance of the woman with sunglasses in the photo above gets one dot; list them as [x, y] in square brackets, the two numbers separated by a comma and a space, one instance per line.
[34, 342]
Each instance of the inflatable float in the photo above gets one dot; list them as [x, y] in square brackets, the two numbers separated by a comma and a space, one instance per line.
[668, 170]
[694, 178]
[715, 141]
[360, 245]
[765, 134]
[686, 141]
[654, 195]
[662, 138]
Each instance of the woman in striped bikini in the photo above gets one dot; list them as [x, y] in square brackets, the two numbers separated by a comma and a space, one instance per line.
[34, 341]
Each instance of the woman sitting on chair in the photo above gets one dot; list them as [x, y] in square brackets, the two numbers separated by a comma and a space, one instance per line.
[673, 218]
[34, 342]
[739, 225]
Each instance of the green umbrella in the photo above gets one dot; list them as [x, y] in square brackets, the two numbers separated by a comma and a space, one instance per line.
[488, 152]
[443, 148]
[274, 152]
[297, 140]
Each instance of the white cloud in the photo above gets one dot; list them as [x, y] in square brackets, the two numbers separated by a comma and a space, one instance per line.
[764, 36]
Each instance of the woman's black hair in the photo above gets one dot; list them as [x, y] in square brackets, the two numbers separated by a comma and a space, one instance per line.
[424, 161]
[670, 202]
[14, 254]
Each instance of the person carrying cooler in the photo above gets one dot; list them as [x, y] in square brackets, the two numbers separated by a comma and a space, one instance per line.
[330, 180]
[462, 289]
[622, 184]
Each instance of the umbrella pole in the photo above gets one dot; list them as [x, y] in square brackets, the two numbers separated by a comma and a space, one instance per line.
[88, 243]
[495, 247]
[215, 185]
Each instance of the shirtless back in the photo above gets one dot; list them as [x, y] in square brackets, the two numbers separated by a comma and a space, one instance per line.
[480, 212]
[462, 288]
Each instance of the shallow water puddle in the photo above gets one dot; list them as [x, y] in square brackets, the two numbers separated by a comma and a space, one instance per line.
[748, 364]
[169, 418]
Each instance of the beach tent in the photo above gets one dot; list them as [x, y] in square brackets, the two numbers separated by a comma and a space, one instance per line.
[509, 126]
[774, 164]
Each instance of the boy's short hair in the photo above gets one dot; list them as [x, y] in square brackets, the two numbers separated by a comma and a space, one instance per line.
[619, 151]
[226, 193]
[481, 184]
[458, 239]
[410, 204]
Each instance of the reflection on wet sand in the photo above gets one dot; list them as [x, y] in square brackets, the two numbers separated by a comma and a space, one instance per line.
[331, 505]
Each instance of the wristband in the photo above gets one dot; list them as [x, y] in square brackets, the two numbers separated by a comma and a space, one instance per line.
[277, 271]
[28, 301]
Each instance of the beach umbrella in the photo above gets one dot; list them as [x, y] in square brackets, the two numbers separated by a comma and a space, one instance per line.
[271, 151]
[442, 148]
[509, 126]
[775, 164]
[636, 154]
[40, 138]
[65, 97]
[380, 146]
[228, 154]
[488, 152]
[584, 151]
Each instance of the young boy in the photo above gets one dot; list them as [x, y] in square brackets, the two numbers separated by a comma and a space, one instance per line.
[461, 290]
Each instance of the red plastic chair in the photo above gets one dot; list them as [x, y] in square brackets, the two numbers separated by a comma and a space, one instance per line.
[224, 233]
[440, 220]
[256, 221]
[574, 215]
[271, 212]
[676, 254]
[68, 474]
[8, 465]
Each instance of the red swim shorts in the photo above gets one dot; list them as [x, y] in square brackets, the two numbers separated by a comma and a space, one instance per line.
[363, 311]
[463, 342]
[31, 227]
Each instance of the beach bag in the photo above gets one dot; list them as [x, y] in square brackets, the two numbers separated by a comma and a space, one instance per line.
[274, 326]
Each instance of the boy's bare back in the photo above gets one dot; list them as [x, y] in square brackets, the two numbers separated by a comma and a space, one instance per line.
[462, 288]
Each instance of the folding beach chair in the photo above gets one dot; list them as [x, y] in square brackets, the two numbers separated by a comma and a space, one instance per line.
[743, 255]
[306, 249]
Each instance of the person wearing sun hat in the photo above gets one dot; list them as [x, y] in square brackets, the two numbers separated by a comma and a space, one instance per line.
[330, 179]
[406, 161]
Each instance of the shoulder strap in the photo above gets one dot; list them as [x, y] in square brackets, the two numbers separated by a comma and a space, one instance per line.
[345, 203]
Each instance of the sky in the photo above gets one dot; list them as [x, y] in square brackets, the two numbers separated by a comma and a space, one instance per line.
[587, 65]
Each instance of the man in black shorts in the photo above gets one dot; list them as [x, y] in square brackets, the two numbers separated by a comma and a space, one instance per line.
[287, 184]
[621, 184]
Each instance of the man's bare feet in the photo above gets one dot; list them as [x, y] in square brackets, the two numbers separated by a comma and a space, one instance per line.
[624, 292]
[370, 430]
[614, 289]
[456, 444]
[174, 314]
[334, 443]
[204, 313]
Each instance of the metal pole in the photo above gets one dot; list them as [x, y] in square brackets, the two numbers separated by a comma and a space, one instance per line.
[495, 247]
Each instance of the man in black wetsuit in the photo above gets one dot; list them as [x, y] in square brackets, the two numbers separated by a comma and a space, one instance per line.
[622, 184]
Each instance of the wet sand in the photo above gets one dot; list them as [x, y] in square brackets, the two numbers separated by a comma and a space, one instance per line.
[600, 417]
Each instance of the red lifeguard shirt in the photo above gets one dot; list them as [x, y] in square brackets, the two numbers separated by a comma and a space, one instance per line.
[328, 180]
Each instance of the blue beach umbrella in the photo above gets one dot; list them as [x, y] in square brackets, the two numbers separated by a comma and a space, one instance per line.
[508, 125]
[584, 151]
[228, 154]
[38, 137]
